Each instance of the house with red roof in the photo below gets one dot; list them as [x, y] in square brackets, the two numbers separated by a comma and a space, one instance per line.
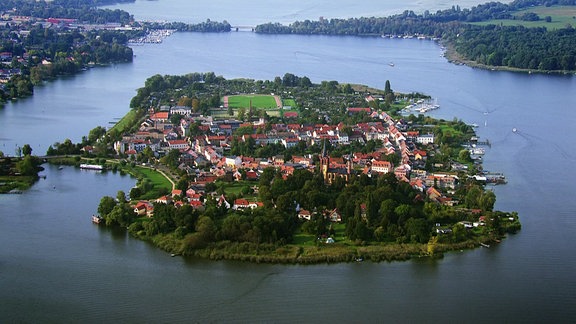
[291, 114]
[196, 204]
[382, 166]
[180, 145]
[164, 200]
[144, 208]
[304, 214]
[161, 116]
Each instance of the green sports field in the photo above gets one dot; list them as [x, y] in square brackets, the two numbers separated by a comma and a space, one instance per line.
[258, 101]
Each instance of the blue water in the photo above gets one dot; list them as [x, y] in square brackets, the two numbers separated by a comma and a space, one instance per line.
[55, 266]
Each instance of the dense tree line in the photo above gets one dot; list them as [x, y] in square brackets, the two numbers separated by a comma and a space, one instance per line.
[204, 27]
[85, 11]
[519, 47]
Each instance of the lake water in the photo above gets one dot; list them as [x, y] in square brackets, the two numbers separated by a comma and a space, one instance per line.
[254, 12]
[55, 266]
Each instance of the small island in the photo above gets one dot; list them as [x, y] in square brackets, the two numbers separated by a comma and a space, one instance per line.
[287, 171]
[20, 172]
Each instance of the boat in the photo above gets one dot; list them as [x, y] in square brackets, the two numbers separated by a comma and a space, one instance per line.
[485, 245]
[91, 167]
[97, 219]
[391, 64]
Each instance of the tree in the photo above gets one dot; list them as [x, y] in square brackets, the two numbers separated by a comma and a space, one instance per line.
[26, 149]
[417, 230]
[28, 166]
[206, 228]
[121, 197]
[487, 201]
[176, 118]
[172, 158]
[106, 205]
[464, 156]
[182, 184]
[241, 113]
[96, 133]
[387, 88]
[472, 197]
[121, 214]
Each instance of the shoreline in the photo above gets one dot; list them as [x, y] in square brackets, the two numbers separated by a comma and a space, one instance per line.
[453, 57]
[313, 254]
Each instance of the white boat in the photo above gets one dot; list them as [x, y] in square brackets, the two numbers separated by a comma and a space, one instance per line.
[477, 151]
[91, 166]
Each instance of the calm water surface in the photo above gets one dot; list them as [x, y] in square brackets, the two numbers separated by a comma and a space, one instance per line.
[55, 266]
[254, 12]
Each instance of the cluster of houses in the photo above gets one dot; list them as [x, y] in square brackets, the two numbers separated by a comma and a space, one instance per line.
[207, 156]
[20, 25]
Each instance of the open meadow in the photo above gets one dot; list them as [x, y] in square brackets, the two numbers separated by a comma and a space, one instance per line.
[561, 17]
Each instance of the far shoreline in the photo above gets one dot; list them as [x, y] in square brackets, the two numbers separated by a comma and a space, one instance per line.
[453, 57]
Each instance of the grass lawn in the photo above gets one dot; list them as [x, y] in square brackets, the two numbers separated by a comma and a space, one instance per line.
[159, 182]
[126, 122]
[258, 101]
[235, 188]
[561, 16]
[290, 102]
[304, 239]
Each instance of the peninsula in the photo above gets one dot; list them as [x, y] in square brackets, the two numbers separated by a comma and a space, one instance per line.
[289, 171]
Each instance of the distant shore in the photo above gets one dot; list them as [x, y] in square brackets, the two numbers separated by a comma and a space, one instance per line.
[453, 57]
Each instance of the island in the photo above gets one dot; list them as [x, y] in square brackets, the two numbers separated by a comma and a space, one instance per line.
[288, 171]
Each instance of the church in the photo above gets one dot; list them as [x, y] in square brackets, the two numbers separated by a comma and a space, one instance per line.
[331, 171]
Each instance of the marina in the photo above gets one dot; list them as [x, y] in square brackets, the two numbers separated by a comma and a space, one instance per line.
[152, 37]
[421, 106]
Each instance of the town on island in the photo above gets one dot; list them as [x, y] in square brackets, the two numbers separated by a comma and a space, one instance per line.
[281, 170]
[243, 169]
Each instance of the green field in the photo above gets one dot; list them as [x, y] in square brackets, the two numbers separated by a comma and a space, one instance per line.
[129, 120]
[160, 184]
[561, 17]
[258, 101]
[235, 188]
[289, 102]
